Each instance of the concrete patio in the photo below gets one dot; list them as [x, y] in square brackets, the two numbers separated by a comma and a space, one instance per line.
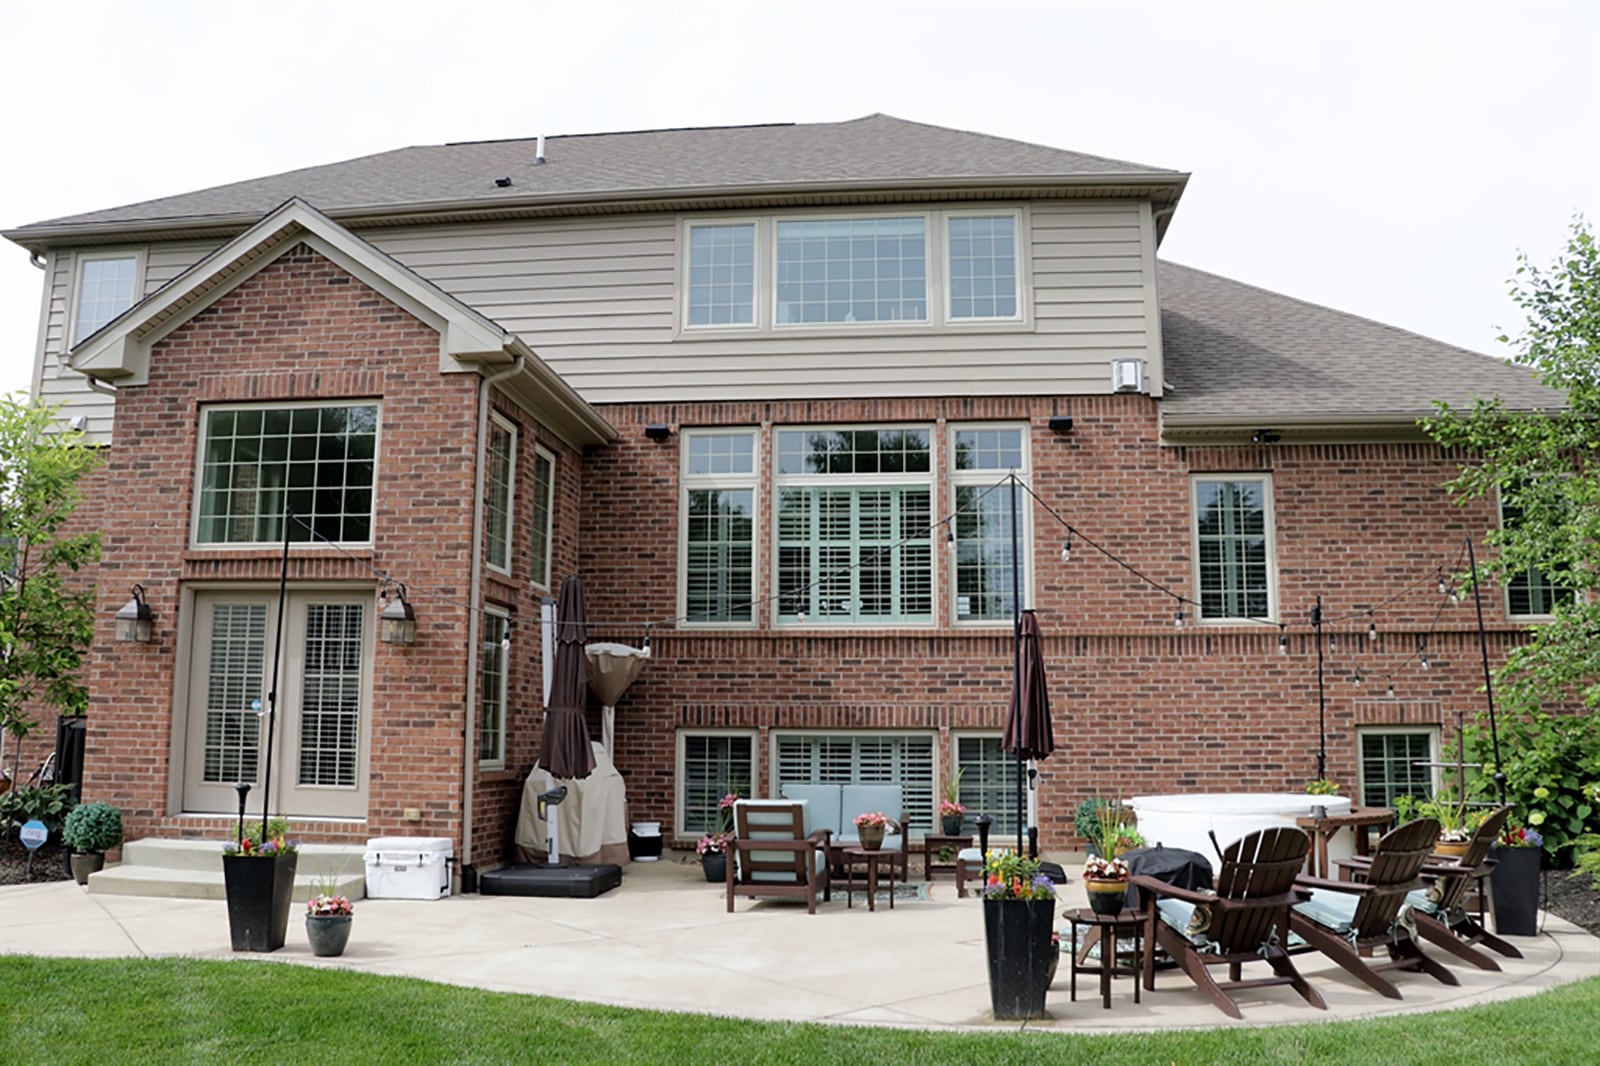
[664, 941]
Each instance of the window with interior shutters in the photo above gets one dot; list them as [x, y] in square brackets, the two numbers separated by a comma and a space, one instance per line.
[988, 783]
[1394, 762]
[713, 766]
[1233, 546]
[862, 759]
[330, 697]
[502, 483]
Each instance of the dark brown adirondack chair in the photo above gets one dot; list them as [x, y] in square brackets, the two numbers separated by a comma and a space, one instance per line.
[772, 855]
[1246, 920]
[1347, 920]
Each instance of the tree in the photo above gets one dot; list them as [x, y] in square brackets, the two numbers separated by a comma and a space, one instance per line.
[1546, 464]
[46, 619]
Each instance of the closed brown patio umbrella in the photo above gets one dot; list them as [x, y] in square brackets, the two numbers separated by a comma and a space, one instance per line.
[565, 751]
[1028, 732]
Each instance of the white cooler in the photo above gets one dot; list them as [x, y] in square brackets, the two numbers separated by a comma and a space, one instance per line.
[408, 867]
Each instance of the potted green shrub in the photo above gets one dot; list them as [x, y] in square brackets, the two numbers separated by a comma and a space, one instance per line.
[91, 830]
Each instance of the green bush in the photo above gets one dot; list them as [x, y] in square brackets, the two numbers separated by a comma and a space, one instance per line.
[47, 803]
[1552, 768]
[93, 827]
[1086, 820]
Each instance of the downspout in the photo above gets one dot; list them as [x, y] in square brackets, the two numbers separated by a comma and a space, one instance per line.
[469, 755]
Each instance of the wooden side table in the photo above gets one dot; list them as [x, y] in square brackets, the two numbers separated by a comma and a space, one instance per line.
[1362, 820]
[854, 857]
[1108, 927]
[932, 844]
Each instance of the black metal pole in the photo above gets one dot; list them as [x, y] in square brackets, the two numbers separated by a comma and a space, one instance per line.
[1488, 681]
[1322, 701]
[1016, 659]
[277, 654]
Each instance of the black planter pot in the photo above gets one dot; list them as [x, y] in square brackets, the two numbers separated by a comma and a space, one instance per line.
[259, 892]
[1017, 933]
[715, 865]
[85, 863]
[951, 824]
[1515, 880]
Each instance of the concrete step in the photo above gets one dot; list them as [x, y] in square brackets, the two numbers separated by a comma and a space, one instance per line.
[192, 869]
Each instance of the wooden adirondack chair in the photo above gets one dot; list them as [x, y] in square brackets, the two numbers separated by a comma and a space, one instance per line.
[772, 855]
[1246, 920]
[1347, 920]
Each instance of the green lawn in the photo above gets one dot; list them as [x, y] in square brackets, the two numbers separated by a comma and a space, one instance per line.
[183, 1010]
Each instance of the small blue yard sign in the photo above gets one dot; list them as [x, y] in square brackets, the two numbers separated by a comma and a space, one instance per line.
[33, 834]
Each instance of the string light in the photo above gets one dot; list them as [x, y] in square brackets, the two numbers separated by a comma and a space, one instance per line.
[1283, 640]
[1372, 629]
[1333, 642]
[1177, 618]
[1066, 550]
[1357, 678]
[1391, 690]
[949, 535]
[1443, 587]
[1423, 658]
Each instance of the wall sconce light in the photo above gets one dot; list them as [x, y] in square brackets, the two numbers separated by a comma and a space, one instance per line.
[1060, 423]
[136, 622]
[397, 623]
[658, 432]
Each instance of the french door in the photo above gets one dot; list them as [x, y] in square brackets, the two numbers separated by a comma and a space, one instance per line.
[319, 761]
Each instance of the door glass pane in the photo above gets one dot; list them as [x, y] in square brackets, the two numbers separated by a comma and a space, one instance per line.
[233, 691]
[330, 700]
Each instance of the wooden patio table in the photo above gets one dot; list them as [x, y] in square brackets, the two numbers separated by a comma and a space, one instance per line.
[1362, 820]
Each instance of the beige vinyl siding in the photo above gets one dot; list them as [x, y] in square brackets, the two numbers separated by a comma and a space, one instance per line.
[597, 299]
[54, 382]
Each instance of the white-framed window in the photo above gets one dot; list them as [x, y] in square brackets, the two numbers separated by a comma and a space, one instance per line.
[980, 456]
[983, 267]
[1396, 761]
[1233, 546]
[1529, 594]
[904, 759]
[319, 460]
[719, 522]
[852, 269]
[107, 285]
[502, 491]
[988, 782]
[853, 513]
[492, 674]
[544, 488]
[711, 764]
[721, 265]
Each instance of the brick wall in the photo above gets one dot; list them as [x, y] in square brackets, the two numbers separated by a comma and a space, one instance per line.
[1138, 705]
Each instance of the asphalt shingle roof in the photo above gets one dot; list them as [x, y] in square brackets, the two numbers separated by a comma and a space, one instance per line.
[1235, 350]
[877, 149]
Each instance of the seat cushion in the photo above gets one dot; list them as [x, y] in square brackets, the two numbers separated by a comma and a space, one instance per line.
[1330, 909]
[822, 805]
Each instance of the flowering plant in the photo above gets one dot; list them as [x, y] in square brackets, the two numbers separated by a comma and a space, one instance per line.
[1322, 787]
[720, 837]
[872, 818]
[950, 808]
[1008, 875]
[323, 905]
[1099, 868]
[250, 843]
[1521, 837]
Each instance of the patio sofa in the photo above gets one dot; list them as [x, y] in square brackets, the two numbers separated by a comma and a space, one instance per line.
[834, 807]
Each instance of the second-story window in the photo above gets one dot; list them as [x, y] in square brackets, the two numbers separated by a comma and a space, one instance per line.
[983, 267]
[853, 541]
[722, 275]
[544, 485]
[852, 270]
[105, 290]
[502, 486]
[319, 461]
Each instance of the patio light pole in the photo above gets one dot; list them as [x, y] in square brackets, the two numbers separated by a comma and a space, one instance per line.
[1488, 680]
[1322, 703]
[277, 653]
[1016, 660]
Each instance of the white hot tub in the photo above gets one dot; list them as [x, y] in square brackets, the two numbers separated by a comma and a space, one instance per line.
[1186, 821]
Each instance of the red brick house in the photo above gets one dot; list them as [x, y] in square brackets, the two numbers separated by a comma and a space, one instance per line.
[757, 386]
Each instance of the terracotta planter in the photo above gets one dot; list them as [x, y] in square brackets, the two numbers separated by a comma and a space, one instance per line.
[1453, 848]
[1106, 897]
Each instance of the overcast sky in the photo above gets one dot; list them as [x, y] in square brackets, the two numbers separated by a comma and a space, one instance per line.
[1388, 159]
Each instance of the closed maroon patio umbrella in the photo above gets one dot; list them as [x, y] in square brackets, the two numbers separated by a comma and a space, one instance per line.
[565, 751]
[1028, 732]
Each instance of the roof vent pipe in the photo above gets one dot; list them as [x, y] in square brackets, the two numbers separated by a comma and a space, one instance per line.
[538, 151]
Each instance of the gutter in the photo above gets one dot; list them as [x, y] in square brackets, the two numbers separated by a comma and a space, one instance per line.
[469, 725]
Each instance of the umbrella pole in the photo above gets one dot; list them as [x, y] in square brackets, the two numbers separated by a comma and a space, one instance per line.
[277, 654]
[1016, 658]
[1322, 705]
[1488, 681]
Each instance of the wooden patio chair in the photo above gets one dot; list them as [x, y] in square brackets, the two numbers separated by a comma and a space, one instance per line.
[1245, 920]
[772, 854]
[1348, 920]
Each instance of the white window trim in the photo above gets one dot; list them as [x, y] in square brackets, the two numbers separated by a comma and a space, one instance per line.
[541, 577]
[137, 254]
[756, 788]
[937, 232]
[508, 535]
[1505, 585]
[757, 313]
[983, 479]
[497, 762]
[784, 481]
[688, 482]
[198, 481]
[1272, 544]
[1434, 732]
[1018, 233]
